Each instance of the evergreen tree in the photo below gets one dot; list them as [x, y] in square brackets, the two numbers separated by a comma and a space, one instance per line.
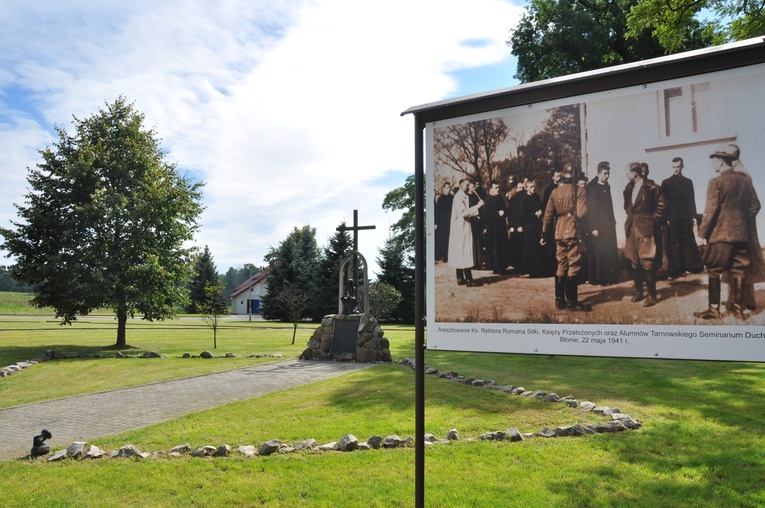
[397, 270]
[324, 300]
[294, 261]
[205, 274]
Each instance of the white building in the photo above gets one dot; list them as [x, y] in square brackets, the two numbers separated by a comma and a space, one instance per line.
[247, 295]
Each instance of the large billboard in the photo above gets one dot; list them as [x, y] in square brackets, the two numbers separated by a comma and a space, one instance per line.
[496, 273]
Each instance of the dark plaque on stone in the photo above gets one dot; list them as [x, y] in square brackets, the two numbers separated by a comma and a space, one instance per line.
[344, 336]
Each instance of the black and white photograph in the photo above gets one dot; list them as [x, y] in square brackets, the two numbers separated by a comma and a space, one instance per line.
[634, 206]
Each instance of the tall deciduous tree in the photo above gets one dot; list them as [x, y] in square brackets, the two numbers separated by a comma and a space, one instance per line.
[105, 222]
[559, 37]
[671, 20]
[402, 199]
[292, 262]
[205, 274]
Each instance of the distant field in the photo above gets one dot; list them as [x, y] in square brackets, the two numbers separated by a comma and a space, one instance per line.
[18, 303]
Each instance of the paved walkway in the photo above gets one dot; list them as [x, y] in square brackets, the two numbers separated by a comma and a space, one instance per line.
[86, 417]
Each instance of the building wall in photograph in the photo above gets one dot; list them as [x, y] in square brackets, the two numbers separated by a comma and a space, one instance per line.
[686, 118]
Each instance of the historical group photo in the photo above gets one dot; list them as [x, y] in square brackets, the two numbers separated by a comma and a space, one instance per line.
[639, 207]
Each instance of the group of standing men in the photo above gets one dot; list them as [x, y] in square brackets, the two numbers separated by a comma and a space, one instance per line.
[580, 220]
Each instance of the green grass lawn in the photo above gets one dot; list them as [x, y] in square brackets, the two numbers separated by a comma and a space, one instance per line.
[701, 443]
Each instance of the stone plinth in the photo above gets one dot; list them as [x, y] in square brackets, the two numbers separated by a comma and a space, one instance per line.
[371, 346]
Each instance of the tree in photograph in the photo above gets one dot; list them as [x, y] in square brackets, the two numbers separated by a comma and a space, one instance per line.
[558, 143]
[383, 299]
[560, 37]
[205, 274]
[292, 262]
[324, 298]
[105, 222]
[471, 148]
[293, 301]
[212, 308]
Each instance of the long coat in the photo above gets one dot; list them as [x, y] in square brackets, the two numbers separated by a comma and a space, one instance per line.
[732, 204]
[495, 220]
[461, 232]
[603, 253]
[644, 212]
[680, 246]
[532, 252]
[443, 216]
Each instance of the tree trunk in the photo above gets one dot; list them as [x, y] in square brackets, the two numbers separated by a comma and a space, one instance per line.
[294, 331]
[121, 325]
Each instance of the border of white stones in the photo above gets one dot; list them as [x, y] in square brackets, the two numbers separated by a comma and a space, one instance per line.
[53, 355]
[619, 421]
[348, 443]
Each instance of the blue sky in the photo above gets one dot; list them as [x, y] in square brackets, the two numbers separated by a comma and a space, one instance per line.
[289, 111]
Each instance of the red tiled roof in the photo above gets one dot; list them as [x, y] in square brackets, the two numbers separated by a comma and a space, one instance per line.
[246, 285]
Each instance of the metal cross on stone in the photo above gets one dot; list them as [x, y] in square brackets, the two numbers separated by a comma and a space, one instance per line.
[355, 228]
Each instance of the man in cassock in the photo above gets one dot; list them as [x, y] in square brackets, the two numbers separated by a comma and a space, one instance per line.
[680, 242]
[603, 255]
[530, 226]
[495, 220]
[443, 219]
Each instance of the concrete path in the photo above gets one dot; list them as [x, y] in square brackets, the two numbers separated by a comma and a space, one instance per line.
[86, 417]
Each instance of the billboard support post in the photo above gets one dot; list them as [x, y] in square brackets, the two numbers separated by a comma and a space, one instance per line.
[419, 315]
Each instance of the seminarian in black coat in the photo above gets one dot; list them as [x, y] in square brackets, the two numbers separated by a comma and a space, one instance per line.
[681, 249]
[443, 222]
[603, 254]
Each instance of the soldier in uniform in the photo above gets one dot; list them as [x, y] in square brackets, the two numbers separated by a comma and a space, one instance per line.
[731, 207]
[645, 207]
[566, 207]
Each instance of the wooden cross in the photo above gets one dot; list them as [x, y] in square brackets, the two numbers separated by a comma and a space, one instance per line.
[356, 228]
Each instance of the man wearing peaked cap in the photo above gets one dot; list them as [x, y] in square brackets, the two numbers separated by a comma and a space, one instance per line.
[565, 209]
[731, 206]
[646, 208]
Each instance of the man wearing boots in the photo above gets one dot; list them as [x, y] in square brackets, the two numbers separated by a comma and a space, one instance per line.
[646, 208]
[566, 207]
[731, 206]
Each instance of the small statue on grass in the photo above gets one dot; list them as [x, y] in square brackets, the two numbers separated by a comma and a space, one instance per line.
[39, 448]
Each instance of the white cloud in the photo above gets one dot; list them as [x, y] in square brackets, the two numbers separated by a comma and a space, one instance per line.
[290, 113]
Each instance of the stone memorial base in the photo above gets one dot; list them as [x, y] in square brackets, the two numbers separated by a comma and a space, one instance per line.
[352, 337]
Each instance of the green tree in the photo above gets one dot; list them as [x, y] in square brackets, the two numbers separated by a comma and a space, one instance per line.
[397, 270]
[324, 300]
[212, 308]
[402, 199]
[292, 262]
[559, 37]
[105, 222]
[670, 20]
[293, 301]
[383, 299]
[205, 274]
[233, 277]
